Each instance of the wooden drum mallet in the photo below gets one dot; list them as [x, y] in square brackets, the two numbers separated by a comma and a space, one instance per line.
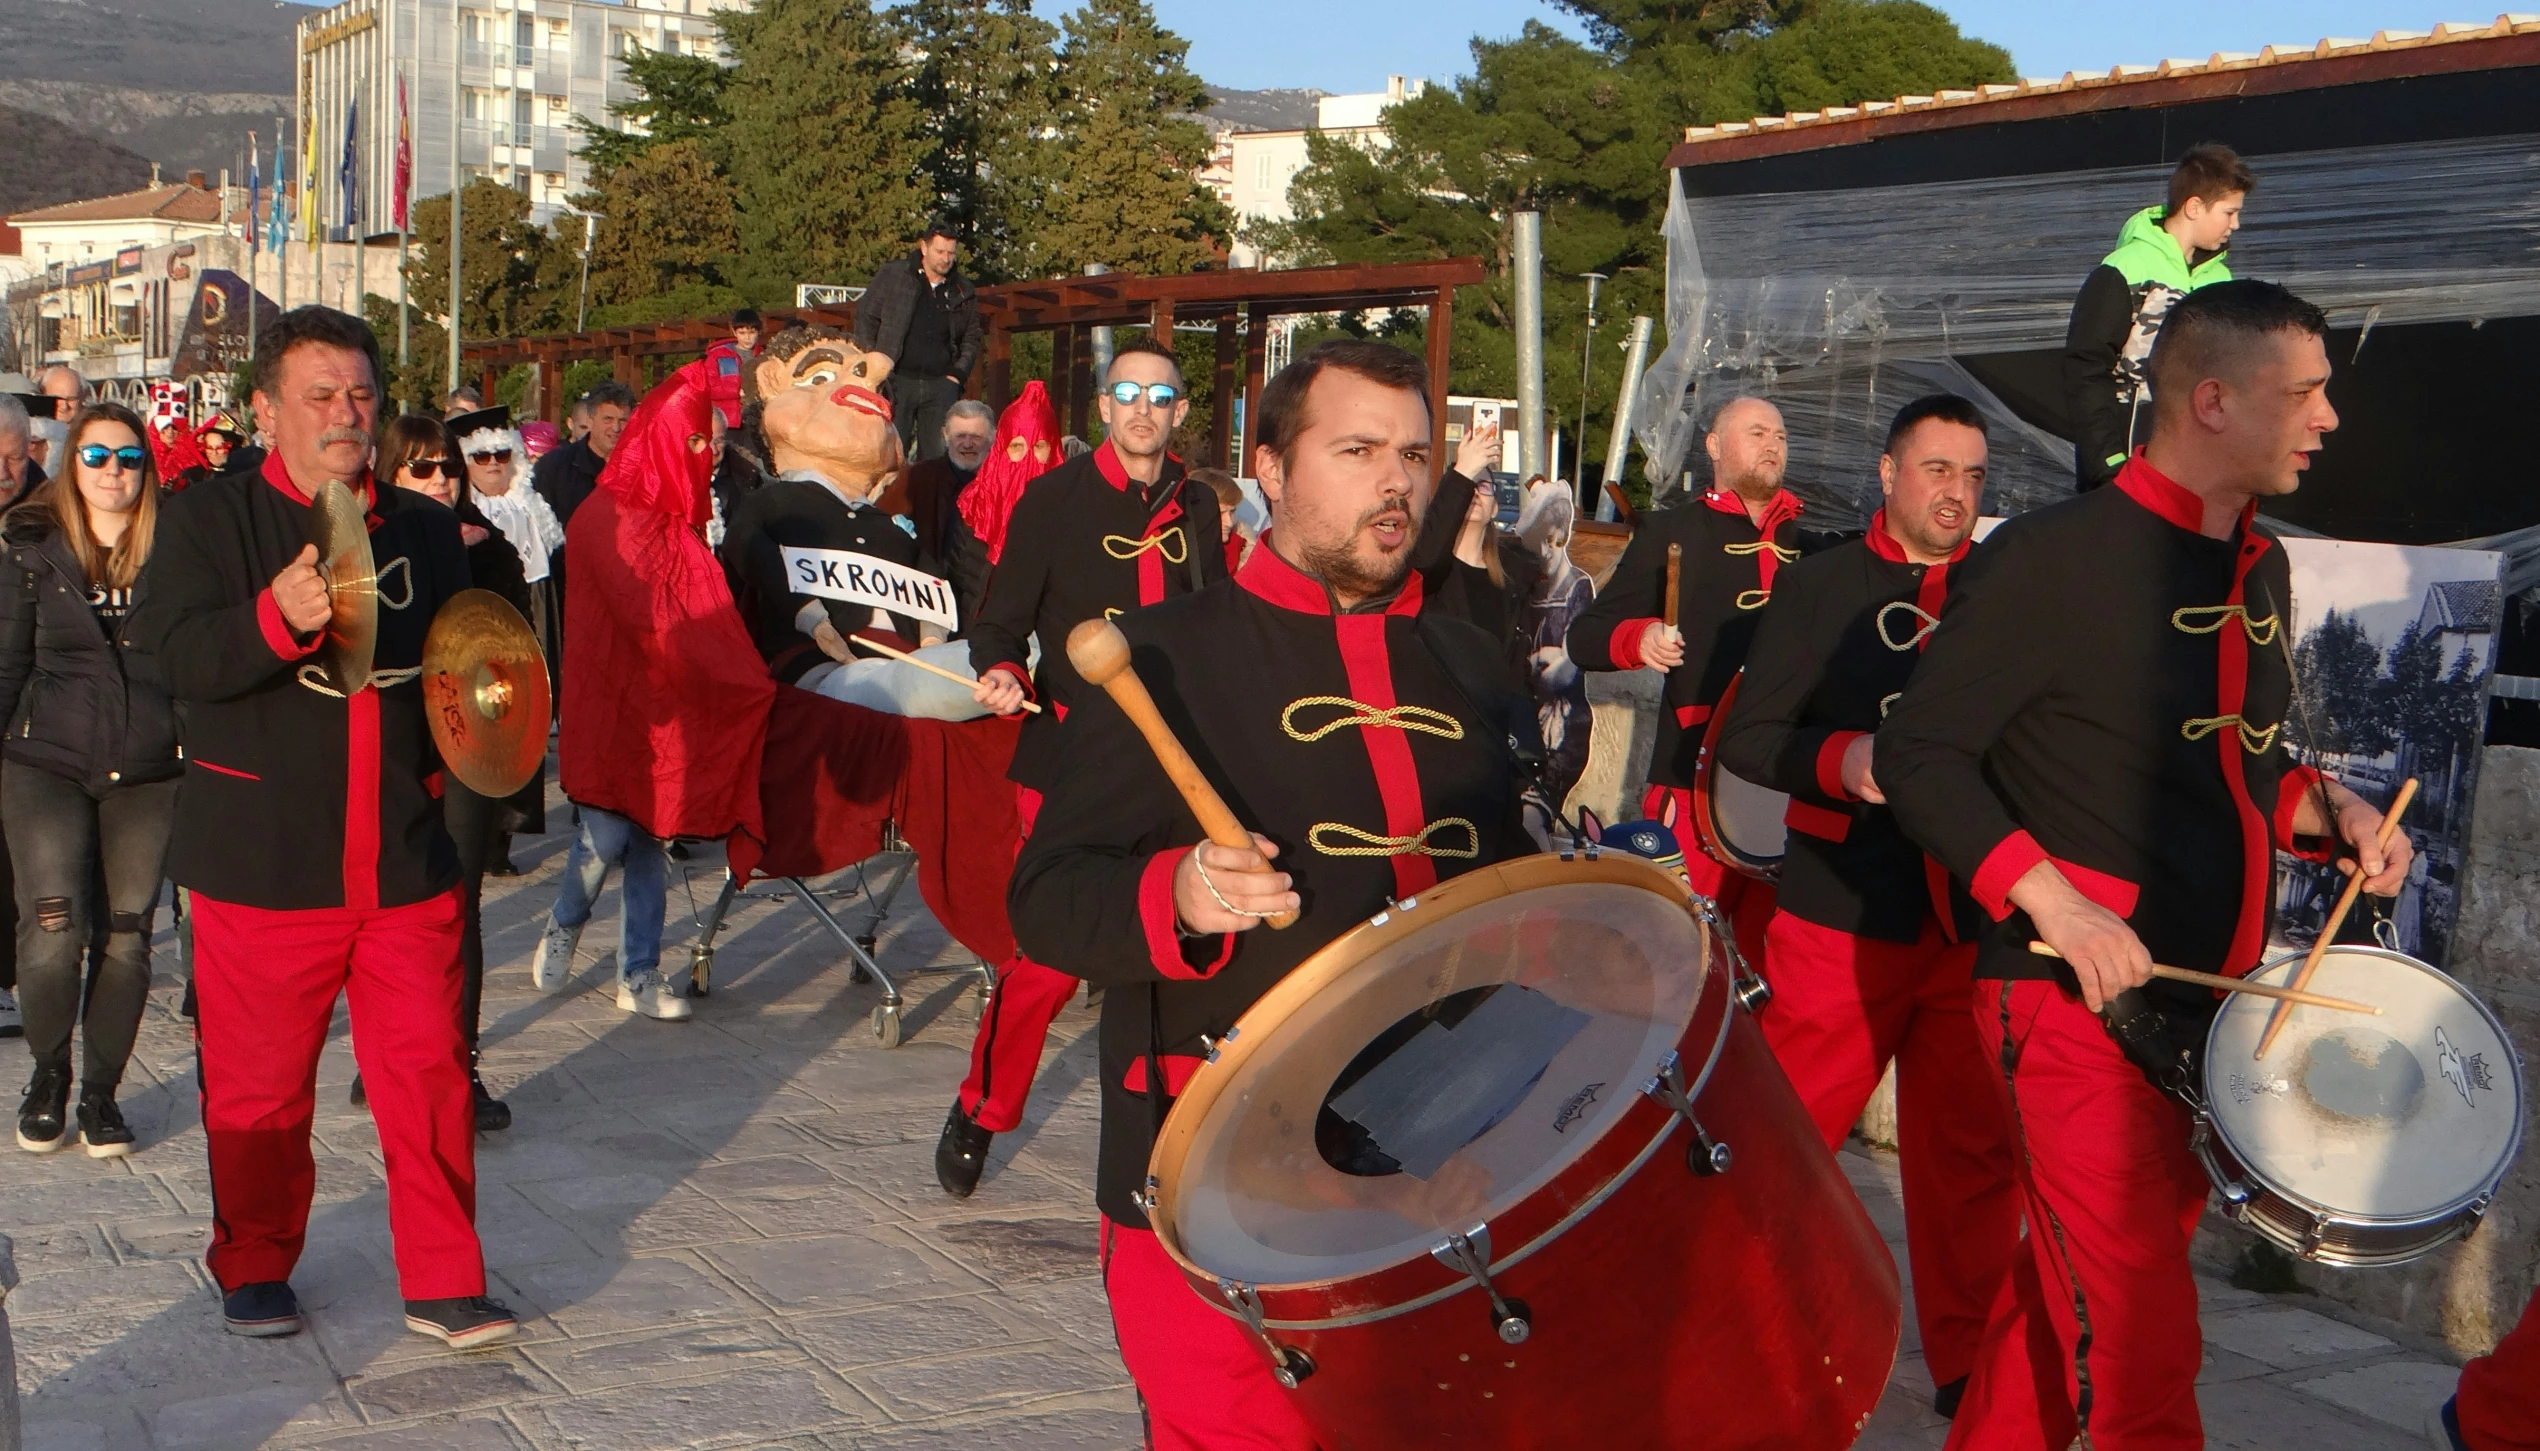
[1100, 654]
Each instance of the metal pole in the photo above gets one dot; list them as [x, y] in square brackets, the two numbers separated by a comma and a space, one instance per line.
[1529, 263]
[1618, 451]
[590, 230]
[282, 258]
[458, 48]
[1587, 344]
[1102, 335]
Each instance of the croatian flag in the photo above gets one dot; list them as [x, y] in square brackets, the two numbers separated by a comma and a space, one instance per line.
[255, 189]
[405, 160]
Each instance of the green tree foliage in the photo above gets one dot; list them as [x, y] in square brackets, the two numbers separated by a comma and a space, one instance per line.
[827, 149]
[678, 98]
[986, 83]
[516, 272]
[1123, 166]
[668, 224]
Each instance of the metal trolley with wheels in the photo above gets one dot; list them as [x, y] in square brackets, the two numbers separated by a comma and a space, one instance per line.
[895, 861]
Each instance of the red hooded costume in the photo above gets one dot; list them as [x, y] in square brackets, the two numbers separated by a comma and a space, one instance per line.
[665, 699]
[987, 506]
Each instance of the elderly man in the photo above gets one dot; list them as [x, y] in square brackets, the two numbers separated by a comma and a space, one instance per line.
[15, 473]
[309, 831]
[928, 496]
[63, 384]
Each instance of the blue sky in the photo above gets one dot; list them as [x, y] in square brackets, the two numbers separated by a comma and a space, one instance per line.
[1352, 45]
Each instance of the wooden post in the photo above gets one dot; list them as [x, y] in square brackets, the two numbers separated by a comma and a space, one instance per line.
[1256, 365]
[993, 381]
[1062, 370]
[1440, 351]
[550, 386]
[1229, 377]
[1162, 328]
[1080, 381]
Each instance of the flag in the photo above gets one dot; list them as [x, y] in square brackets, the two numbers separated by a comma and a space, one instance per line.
[405, 160]
[277, 232]
[348, 180]
[308, 185]
[255, 190]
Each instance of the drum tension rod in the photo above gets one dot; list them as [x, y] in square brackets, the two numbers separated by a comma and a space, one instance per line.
[1751, 991]
[1705, 1155]
[1288, 1365]
[1469, 1254]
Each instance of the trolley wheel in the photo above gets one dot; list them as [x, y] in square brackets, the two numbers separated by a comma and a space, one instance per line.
[700, 972]
[886, 1024]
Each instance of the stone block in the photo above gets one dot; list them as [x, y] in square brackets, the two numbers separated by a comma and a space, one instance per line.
[2395, 1392]
[913, 1390]
[784, 1177]
[245, 1419]
[840, 1271]
[107, 1290]
[1095, 1427]
[919, 1329]
[745, 1409]
[2258, 1415]
[479, 1433]
[690, 1352]
[448, 1383]
[1020, 1251]
[2289, 1339]
[591, 1297]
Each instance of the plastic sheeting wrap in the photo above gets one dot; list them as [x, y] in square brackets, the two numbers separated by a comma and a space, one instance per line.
[1841, 305]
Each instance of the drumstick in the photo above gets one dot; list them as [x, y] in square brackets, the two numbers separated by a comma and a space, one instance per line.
[2236, 985]
[1100, 653]
[1675, 568]
[2337, 918]
[930, 666]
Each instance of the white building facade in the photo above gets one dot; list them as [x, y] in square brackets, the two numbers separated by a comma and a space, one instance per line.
[1257, 166]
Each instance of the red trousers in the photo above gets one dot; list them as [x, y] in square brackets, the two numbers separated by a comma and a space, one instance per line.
[1843, 1008]
[2097, 1328]
[2498, 1404]
[1746, 901]
[265, 984]
[1202, 1378]
[1015, 1026]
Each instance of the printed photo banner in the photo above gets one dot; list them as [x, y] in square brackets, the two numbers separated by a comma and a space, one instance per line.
[862, 579]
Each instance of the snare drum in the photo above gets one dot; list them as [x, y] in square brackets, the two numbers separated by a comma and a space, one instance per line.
[1737, 823]
[2361, 1140]
[1508, 1166]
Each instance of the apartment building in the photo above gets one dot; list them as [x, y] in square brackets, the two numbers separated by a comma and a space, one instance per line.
[1252, 169]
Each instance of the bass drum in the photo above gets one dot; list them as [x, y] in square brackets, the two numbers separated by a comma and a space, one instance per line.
[2360, 1140]
[1509, 1166]
[1737, 823]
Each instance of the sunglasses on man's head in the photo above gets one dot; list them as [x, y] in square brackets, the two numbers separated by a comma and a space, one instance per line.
[1159, 394]
[424, 468]
[491, 456]
[95, 456]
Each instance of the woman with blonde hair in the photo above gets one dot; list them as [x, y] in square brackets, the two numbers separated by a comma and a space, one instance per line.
[88, 776]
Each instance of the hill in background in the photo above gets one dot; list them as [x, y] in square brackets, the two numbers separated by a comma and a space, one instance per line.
[43, 161]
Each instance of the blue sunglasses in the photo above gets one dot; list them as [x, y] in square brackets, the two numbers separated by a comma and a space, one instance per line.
[128, 459]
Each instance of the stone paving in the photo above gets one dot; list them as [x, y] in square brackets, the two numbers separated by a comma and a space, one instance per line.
[726, 1233]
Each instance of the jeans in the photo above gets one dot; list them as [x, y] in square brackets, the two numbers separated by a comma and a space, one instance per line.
[610, 840]
[919, 406]
[67, 848]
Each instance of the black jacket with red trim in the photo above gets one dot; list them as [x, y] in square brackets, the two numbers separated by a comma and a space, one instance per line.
[806, 514]
[1834, 647]
[1086, 542]
[1727, 574]
[2108, 688]
[1329, 734]
[295, 798]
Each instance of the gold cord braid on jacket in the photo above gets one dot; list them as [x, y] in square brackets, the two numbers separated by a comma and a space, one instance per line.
[1359, 713]
[2253, 740]
[1333, 838]
[2261, 632]
[1171, 544]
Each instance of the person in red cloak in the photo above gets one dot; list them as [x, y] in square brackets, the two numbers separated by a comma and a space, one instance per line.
[1025, 447]
[665, 705]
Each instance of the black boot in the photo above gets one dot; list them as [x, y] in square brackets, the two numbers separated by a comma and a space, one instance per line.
[101, 1122]
[1945, 1400]
[492, 1114]
[961, 1155]
[44, 1114]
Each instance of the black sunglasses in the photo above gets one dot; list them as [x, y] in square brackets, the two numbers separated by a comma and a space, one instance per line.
[424, 468]
[129, 459]
[491, 455]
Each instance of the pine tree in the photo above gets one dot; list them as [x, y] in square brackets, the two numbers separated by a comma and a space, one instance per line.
[677, 98]
[667, 228]
[985, 83]
[1125, 162]
[826, 146]
[513, 267]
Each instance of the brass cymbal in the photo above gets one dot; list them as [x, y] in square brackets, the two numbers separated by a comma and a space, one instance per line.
[342, 537]
[485, 692]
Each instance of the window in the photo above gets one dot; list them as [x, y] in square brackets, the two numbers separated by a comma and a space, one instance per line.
[1261, 172]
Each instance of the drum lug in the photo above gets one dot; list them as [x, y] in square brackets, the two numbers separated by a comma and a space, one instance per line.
[1288, 1365]
[2314, 1237]
[1705, 1155]
[1750, 990]
[1468, 1254]
[2235, 1195]
[1145, 1198]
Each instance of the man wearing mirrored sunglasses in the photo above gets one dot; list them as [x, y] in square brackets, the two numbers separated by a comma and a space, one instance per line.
[1098, 536]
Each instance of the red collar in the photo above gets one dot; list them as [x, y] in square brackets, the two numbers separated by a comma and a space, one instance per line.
[1107, 463]
[2167, 500]
[1884, 545]
[1280, 583]
[280, 477]
[1781, 509]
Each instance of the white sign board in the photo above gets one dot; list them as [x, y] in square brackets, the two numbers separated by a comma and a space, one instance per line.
[863, 579]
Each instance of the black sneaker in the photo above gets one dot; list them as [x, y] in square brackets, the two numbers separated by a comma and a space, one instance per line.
[1945, 1399]
[961, 1155]
[101, 1123]
[492, 1114]
[361, 1095]
[464, 1323]
[44, 1114]
[265, 1308]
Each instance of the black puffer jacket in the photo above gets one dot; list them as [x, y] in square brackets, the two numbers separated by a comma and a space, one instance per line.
[85, 707]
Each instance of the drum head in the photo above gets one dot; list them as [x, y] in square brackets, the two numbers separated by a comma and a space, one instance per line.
[2406, 1116]
[1428, 1069]
[1739, 823]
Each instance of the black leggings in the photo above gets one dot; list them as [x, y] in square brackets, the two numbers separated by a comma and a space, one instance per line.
[476, 825]
[65, 846]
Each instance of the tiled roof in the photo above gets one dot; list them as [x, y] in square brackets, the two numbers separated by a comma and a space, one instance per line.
[170, 202]
[2461, 604]
[2220, 63]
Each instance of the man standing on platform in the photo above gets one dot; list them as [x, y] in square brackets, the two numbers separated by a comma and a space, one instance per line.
[1098, 536]
[924, 317]
[309, 832]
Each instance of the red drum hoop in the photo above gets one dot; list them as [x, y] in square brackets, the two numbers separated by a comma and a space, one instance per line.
[1615, 1226]
[1736, 822]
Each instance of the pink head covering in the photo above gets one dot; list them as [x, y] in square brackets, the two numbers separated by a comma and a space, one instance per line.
[540, 437]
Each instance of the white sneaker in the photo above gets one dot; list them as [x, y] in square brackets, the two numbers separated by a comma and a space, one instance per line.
[553, 966]
[10, 1026]
[652, 997]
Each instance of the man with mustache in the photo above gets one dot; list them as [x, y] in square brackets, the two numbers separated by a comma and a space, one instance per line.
[1365, 741]
[309, 830]
[1735, 538]
[1873, 946]
[1102, 534]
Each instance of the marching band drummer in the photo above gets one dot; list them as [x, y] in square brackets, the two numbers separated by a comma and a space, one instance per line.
[1735, 538]
[1872, 944]
[2093, 741]
[1365, 741]
[1114, 530]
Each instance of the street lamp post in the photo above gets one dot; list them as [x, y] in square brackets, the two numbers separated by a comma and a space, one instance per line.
[1587, 342]
[590, 231]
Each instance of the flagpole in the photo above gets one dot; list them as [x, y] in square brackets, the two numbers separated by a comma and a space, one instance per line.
[282, 255]
[255, 248]
[358, 215]
[403, 181]
[458, 49]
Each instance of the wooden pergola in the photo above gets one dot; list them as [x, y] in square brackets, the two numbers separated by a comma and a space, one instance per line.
[1240, 302]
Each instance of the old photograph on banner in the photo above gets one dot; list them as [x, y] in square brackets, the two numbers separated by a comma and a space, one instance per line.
[2392, 648]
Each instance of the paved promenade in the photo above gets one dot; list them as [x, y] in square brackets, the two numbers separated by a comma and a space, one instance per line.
[726, 1233]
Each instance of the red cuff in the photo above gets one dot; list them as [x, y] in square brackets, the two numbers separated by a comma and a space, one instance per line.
[1625, 644]
[277, 631]
[1021, 676]
[1830, 763]
[2003, 867]
[2288, 802]
[1163, 924]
